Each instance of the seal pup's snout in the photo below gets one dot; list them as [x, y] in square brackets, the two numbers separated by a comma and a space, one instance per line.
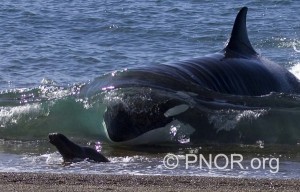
[52, 137]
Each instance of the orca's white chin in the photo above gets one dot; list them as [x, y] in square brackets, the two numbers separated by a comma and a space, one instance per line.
[173, 132]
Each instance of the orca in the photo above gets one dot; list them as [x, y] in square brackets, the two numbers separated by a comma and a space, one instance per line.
[235, 71]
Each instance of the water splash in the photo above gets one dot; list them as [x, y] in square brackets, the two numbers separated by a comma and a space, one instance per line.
[296, 44]
[229, 119]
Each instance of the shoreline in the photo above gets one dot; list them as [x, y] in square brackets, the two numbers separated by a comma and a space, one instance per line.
[10, 181]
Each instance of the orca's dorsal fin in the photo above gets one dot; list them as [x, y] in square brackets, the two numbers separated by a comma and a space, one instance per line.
[239, 42]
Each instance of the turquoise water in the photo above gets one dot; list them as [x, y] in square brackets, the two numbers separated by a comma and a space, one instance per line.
[49, 49]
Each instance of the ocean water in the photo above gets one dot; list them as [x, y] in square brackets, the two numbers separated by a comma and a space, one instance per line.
[50, 49]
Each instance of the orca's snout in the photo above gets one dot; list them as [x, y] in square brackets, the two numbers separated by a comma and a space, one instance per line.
[125, 123]
[118, 122]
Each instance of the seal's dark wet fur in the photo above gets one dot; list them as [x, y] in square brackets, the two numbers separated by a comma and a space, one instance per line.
[72, 152]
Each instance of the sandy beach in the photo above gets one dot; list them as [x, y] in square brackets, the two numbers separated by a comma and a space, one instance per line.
[81, 182]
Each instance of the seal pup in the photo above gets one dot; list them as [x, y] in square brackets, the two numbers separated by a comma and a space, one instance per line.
[72, 152]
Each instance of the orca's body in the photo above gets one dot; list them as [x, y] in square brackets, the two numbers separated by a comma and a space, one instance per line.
[236, 70]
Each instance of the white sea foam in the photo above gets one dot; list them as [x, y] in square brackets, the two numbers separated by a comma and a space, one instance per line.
[295, 69]
[296, 46]
[13, 114]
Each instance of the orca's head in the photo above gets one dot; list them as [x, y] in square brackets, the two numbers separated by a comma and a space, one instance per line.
[124, 123]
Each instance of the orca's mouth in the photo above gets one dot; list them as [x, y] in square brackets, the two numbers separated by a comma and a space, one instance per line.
[123, 123]
[127, 122]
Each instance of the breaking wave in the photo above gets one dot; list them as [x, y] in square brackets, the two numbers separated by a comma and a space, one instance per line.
[78, 110]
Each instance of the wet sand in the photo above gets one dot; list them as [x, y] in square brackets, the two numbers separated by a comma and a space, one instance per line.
[81, 182]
